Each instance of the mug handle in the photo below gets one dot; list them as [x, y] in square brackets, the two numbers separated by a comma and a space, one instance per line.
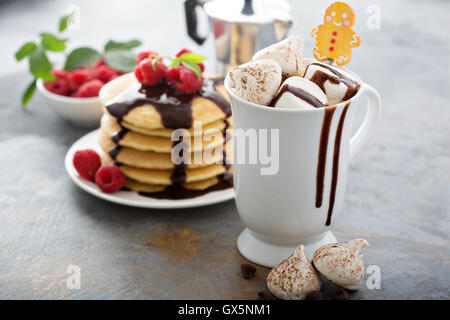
[191, 20]
[372, 114]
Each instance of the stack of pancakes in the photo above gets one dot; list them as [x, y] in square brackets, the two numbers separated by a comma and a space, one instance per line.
[141, 130]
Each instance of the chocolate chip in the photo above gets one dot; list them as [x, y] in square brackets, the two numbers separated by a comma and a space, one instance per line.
[248, 270]
[263, 295]
[340, 294]
[314, 295]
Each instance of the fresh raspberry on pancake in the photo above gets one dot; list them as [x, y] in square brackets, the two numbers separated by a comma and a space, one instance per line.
[86, 162]
[183, 51]
[183, 79]
[149, 73]
[109, 178]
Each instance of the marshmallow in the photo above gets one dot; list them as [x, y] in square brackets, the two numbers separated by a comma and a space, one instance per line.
[342, 263]
[287, 53]
[293, 278]
[256, 81]
[337, 84]
[299, 93]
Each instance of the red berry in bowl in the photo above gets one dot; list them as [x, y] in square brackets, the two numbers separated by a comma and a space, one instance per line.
[89, 89]
[183, 51]
[149, 75]
[86, 162]
[104, 73]
[109, 178]
[77, 77]
[98, 63]
[183, 79]
[60, 74]
[59, 86]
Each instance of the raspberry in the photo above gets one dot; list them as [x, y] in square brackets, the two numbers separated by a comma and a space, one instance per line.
[109, 178]
[147, 75]
[183, 51]
[183, 79]
[86, 162]
[89, 89]
[98, 63]
[77, 77]
[60, 74]
[104, 73]
[144, 55]
[59, 86]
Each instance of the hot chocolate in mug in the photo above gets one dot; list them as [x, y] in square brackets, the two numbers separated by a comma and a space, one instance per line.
[298, 202]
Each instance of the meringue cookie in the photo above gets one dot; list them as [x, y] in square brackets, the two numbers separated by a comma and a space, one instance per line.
[256, 81]
[287, 53]
[293, 278]
[342, 263]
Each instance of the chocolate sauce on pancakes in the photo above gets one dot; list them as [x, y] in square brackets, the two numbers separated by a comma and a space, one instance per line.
[174, 107]
[175, 110]
[300, 93]
[176, 192]
[319, 77]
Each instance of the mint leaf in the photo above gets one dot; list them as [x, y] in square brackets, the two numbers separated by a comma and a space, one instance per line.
[65, 21]
[40, 66]
[29, 91]
[119, 59]
[25, 50]
[52, 43]
[111, 44]
[81, 57]
[175, 63]
[193, 67]
[192, 57]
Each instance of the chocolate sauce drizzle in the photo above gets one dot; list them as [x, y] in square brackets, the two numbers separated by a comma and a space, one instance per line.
[337, 149]
[175, 110]
[300, 93]
[319, 77]
[322, 158]
[174, 107]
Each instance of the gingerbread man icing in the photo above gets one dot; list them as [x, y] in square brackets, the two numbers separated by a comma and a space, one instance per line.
[335, 38]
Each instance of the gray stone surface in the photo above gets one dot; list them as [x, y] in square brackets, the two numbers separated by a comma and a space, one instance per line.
[398, 188]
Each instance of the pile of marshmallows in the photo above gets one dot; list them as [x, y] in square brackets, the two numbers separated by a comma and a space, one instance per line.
[341, 263]
[259, 80]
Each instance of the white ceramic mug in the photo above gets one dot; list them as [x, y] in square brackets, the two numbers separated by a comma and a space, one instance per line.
[300, 202]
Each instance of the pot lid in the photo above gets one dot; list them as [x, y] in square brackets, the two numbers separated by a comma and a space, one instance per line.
[249, 11]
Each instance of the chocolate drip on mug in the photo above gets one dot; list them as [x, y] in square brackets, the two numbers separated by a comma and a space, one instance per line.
[322, 157]
[335, 172]
[299, 93]
[319, 77]
[174, 108]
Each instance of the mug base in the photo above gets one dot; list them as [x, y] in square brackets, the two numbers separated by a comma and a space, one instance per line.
[269, 254]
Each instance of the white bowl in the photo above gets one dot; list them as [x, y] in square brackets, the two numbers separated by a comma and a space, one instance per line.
[83, 112]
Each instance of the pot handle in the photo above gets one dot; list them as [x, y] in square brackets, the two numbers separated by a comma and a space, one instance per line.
[372, 114]
[191, 20]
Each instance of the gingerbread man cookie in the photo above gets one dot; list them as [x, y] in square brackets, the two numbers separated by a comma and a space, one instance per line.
[335, 38]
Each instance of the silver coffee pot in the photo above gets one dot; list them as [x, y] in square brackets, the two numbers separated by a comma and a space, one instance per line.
[240, 27]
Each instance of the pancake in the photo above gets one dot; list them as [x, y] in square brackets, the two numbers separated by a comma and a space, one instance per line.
[167, 133]
[155, 160]
[118, 95]
[109, 128]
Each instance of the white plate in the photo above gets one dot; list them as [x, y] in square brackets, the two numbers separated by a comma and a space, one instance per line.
[131, 198]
